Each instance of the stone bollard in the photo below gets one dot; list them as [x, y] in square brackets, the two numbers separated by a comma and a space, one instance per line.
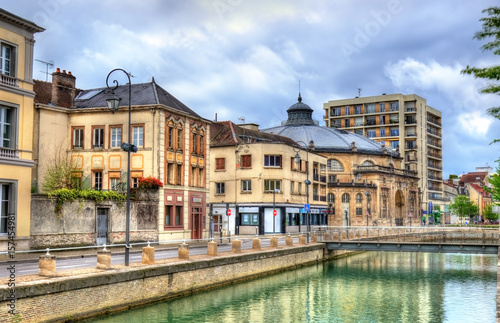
[183, 251]
[326, 236]
[314, 238]
[256, 244]
[289, 241]
[335, 236]
[274, 242]
[236, 245]
[47, 265]
[302, 239]
[104, 258]
[148, 255]
[212, 248]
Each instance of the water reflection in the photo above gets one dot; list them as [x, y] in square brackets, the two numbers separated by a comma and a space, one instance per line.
[370, 287]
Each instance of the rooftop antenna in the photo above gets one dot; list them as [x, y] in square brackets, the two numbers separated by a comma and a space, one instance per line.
[47, 64]
[359, 92]
[242, 119]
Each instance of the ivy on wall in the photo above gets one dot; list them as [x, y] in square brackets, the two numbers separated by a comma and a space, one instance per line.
[64, 195]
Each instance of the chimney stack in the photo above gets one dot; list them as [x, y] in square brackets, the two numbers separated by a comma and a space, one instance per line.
[63, 88]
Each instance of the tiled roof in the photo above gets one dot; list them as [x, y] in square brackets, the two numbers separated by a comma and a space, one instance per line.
[226, 133]
[141, 94]
[474, 177]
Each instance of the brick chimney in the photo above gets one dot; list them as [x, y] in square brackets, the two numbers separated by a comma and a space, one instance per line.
[63, 88]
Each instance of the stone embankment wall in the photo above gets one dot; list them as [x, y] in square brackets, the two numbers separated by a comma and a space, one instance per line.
[69, 298]
[77, 226]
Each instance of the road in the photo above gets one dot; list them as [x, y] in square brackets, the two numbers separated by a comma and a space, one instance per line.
[24, 268]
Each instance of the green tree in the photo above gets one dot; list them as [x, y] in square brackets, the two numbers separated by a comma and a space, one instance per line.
[490, 30]
[488, 213]
[58, 174]
[463, 207]
[495, 183]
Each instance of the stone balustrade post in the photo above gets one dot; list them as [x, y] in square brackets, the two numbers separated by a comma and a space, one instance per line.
[212, 248]
[302, 239]
[236, 245]
[47, 265]
[274, 242]
[104, 258]
[183, 251]
[314, 238]
[256, 245]
[148, 255]
[289, 241]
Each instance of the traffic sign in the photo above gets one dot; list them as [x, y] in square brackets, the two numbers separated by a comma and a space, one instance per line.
[228, 212]
[306, 207]
[274, 212]
[410, 215]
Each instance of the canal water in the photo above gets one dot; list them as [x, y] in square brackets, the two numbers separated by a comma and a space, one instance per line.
[368, 287]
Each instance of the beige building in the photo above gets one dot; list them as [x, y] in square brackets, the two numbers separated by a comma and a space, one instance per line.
[254, 173]
[16, 121]
[172, 142]
[353, 180]
[402, 122]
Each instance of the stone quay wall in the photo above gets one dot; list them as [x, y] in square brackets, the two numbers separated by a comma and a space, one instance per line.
[61, 299]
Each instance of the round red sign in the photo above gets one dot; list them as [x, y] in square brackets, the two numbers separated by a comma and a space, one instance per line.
[274, 212]
[228, 212]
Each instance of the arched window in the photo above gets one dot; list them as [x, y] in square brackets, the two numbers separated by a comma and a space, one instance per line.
[331, 198]
[335, 165]
[367, 163]
[359, 198]
[345, 198]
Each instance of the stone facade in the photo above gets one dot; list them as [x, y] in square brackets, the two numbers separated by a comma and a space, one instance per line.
[77, 225]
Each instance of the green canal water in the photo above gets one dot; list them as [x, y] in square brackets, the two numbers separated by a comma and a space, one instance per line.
[369, 287]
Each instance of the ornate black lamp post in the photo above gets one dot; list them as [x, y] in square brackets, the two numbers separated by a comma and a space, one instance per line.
[367, 206]
[410, 199]
[307, 181]
[113, 103]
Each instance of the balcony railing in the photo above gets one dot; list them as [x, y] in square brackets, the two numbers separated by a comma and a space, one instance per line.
[433, 143]
[9, 153]
[9, 80]
[383, 169]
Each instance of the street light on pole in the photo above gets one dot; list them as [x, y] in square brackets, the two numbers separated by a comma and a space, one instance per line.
[410, 199]
[367, 206]
[307, 181]
[113, 103]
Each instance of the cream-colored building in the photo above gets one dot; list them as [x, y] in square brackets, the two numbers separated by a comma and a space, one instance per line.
[403, 122]
[16, 120]
[254, 173]
[172, 142]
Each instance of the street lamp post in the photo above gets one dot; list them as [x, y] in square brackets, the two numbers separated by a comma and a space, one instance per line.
[367, 207]
[410, 199]
[307, 181]
[113, 103]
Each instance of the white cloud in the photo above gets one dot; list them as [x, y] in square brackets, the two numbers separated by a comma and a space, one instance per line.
[474, 123]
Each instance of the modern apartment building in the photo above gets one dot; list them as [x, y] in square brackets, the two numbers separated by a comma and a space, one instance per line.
[16, 122]
[400, 121]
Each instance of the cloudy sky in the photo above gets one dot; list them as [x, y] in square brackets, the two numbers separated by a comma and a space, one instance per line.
[244, 59]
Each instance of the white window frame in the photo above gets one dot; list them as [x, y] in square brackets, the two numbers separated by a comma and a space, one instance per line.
[246, 185]
[116, 137]
[8, 64]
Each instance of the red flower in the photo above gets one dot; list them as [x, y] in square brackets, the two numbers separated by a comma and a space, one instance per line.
[149, 182]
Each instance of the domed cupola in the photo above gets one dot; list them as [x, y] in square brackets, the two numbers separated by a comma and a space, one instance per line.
[299, 114]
